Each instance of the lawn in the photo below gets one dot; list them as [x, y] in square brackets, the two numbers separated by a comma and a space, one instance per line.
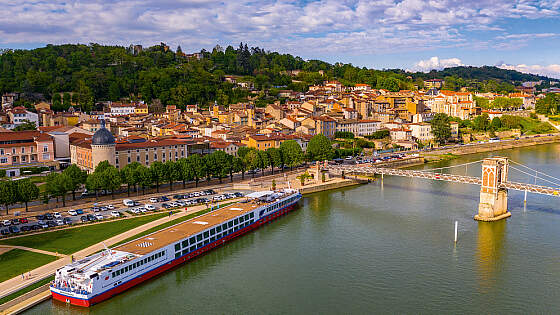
[72, 240]
[18, 261]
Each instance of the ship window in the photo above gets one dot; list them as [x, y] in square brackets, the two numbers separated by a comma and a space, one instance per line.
[241, 219]
[177, 247]
[213, 238]
[246, 216]
[219, 228]
[236, 221]
[113, 274]
[145, 260]
[185, 251]
[212, 231]
[178, 254]
[199, 237]
[192, 240]
[206, 242]
[206, 234]
[230, 223]
[252, 215]
[224, 226]
[193, 248]
[185, 243]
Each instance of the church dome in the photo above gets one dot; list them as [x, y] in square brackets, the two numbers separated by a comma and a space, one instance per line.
[102, 137]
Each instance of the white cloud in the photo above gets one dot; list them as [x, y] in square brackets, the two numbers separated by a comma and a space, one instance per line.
[552, 70]
[435, 63]
[333, 27]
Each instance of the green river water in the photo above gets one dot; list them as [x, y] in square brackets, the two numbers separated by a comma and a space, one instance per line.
[375, 249]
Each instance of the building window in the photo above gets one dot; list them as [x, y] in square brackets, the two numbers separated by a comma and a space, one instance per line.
[155, 156]
[46, 156]
[117, 161]
[129, 159]
[46, 148]
[138, 158]
[23, 158]
[3, 160]
[23, 150]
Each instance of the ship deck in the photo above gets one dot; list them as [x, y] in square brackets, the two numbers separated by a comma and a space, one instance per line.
[172, 234]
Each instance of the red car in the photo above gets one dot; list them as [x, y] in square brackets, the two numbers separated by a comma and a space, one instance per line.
[23, 220]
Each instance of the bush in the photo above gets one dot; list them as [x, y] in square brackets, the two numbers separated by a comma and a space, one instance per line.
[344, 135]
[380, 134]
[2, 173]
[34, 169]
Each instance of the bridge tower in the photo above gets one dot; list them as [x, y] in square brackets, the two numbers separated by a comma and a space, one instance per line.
[493, 199]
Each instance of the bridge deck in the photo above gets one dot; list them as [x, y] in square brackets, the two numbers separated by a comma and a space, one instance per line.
[354, 169]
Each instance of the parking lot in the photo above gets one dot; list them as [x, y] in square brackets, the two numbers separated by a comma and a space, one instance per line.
[104, 211]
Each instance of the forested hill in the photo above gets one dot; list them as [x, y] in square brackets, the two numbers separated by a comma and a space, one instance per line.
[481, 73]
[98, 73]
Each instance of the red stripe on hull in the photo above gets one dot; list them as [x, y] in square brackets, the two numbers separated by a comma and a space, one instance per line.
[127, 285]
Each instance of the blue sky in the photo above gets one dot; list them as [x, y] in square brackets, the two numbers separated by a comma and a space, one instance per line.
[409, 34]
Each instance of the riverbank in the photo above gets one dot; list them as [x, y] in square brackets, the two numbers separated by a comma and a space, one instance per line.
[453, 152]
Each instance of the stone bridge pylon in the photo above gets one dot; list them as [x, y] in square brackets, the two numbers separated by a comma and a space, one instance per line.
[493, 204]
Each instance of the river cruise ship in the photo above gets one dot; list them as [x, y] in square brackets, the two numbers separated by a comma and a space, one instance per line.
[112, 271]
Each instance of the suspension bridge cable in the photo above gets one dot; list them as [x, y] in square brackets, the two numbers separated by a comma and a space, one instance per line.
[534, 170]
[532, 175]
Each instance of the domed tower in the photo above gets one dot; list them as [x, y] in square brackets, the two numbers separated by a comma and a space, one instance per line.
[102, 146]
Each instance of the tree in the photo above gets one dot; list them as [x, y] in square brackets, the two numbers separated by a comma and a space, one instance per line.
[239, 166]
[26, 191]
[264, 161]
[252, 160]
[550, 104]
[77, 178]
[222, 165]
[292, 155]
[481, 123]
[198, 167]
[158, 171]
[111, 180]
[242, 151]
[496, 123]
[128, 175]
[185, 172]
[275, 158]
[303, 177]
[102, 166]
[8, 194]
[66, 100]
[58, 184]
[172, 172]
[320, 148]
[94, 182]
[26, 125]
[441, 128]
[144, 177]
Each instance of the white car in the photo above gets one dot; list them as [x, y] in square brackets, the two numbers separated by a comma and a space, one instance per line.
[153, 199]
[59, 222]
[143, 210]
[72, 212]
[149, 207]
[173, 204]
[134, 210]
[110, 207]
[128, 203]
[115, 214]
[99, 217]
[57, 215]
[6, 222]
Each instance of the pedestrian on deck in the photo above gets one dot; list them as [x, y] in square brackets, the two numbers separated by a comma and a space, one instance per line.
[29, 275]
[170, 213]
[22, 277]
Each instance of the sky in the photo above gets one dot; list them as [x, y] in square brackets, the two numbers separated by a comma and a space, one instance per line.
[416, 35]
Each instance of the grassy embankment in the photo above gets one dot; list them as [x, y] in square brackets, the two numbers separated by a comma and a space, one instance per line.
[69, 241]
[18, 261]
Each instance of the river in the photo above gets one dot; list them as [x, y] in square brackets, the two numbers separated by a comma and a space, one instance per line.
[375, 249]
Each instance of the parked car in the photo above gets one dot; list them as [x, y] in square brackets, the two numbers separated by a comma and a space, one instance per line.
[91, 217]
[51, 223]
[14, 229]
[166, 205]
[178, 197]
[103, 208]
[49, 216]
[149, 207]
[99, 217]
[35, 227]
[110, 207]
[57, 215]
[238, 194]
[72, 212]
[154, 199]
[84, 218]
[23, 220]
[128, 203]
[164, 198]
[80, 211]
[67, 221]
[15, 221]
[25, 228]
[40, 217]
[6, 222]
[59, 222]
[115, 214]
[5, 231]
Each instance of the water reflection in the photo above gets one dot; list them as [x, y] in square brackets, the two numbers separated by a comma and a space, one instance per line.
[489, 252]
